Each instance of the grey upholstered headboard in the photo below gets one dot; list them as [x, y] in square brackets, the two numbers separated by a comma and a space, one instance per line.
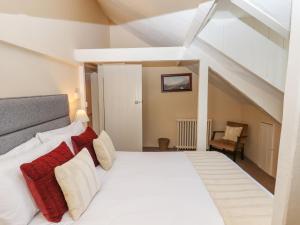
[22, 118]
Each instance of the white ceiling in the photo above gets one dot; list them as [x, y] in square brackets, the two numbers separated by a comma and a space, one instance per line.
[123, 11]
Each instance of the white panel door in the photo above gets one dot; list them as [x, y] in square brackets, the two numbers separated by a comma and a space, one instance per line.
[266, 147]
[123, 105]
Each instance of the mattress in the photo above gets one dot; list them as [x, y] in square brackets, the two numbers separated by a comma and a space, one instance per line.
[239, 198]
[147, 189]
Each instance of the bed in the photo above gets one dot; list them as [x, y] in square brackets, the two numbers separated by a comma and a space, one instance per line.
[141, 188]
[148, 188]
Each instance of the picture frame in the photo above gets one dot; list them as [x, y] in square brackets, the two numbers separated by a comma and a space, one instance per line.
[176, 82]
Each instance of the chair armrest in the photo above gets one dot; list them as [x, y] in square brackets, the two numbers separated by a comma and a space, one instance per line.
[216, 131]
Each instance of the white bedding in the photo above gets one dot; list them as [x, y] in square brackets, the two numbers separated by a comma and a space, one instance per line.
[148, 189]
[239, 198]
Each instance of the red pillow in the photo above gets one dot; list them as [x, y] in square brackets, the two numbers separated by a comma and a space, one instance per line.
[85, 140]
[41, 181]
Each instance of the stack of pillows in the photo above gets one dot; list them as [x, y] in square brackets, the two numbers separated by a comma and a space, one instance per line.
[61, 177]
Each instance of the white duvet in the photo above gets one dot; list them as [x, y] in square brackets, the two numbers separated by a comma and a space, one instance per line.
[148, 189]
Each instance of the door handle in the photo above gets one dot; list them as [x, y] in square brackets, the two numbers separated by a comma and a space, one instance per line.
[137, 102]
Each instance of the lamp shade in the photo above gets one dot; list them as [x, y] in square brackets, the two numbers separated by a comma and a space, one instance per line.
[82, 116]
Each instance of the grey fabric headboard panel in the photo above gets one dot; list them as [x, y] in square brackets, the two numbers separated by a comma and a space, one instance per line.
[22, 118]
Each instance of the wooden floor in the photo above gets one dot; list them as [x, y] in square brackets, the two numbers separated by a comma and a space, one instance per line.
[251, 168]
[258, 174]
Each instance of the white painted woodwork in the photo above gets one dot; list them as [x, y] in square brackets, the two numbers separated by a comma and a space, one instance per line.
[95, 102]
[201, 16]
[82, 91]
[52, 37]
[248, 47]
[123, 105]
[257, 90]
[202, 106]
[186, 132]
[101, 99]
[266, 147]
[287, 192]
[273, 13]
[130, 54]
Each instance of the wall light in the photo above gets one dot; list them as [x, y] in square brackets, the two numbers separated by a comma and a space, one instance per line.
[82, 116]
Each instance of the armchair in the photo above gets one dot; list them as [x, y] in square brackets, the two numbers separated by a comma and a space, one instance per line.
[228, 145]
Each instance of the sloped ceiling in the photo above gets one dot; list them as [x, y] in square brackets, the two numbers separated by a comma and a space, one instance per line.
[124, 11]
[74, 10]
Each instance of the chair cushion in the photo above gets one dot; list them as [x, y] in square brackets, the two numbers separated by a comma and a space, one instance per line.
[232, 133]
[223, 144]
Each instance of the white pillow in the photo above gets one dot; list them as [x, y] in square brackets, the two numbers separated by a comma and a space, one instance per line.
[64, 134]
[17, 206]
[232, 133]
[21, 149]
[73, 129]
[105, 138]
[64, 138]
[78, 181]
[103, 154]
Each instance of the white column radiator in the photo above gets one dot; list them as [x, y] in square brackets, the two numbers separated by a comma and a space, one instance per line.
[187, 133]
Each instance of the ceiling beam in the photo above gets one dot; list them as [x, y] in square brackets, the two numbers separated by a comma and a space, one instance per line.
[204, 13]
[117, 55]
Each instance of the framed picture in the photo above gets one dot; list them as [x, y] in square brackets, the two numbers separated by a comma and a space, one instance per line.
[176, 82]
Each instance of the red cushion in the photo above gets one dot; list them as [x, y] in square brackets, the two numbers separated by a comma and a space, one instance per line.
[41, 181]
[85, 140]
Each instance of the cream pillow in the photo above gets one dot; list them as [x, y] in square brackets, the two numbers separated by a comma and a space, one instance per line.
[105, 138]
[104, 156]
[232, 133]
[78, 181]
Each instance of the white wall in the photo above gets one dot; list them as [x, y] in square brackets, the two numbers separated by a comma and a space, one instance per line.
[51, 37]
[37, 41]
[25, 73]
[287, 191]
